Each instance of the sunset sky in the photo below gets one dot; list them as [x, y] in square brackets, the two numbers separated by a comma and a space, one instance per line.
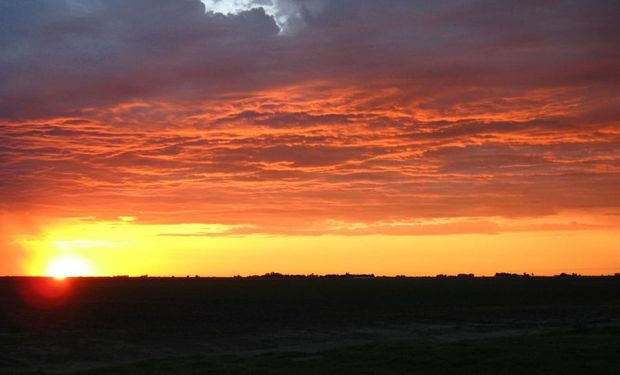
[174, 137]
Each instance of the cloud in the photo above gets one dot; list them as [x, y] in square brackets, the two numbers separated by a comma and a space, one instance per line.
[450, 58]
[357, 111]
[59, 58]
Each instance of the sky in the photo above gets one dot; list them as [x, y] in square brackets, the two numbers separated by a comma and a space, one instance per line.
[238, 137]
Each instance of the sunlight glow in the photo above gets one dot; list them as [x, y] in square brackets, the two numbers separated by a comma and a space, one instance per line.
[61, 268]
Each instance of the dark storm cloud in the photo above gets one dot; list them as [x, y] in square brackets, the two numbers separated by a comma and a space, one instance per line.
[59, 57]
[63, 56]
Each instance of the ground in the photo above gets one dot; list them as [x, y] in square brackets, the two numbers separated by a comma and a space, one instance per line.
[501, 325]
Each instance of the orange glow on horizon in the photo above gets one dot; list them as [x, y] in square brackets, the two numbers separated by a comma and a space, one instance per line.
[123, 247]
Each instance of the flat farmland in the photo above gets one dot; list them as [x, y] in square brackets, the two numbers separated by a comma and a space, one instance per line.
[310, 325]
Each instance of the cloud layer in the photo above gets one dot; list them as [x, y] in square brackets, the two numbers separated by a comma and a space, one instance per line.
[392, 117]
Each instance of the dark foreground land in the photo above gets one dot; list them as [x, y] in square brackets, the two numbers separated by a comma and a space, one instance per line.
[501, 325]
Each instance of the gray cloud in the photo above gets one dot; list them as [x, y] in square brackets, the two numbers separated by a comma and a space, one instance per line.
[59, 57]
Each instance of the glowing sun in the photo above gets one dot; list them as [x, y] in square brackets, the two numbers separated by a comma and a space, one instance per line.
[61, 268]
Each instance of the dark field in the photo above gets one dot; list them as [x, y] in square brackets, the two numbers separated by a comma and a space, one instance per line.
[502, 325]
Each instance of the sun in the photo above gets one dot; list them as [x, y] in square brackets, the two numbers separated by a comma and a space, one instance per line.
[61, 268]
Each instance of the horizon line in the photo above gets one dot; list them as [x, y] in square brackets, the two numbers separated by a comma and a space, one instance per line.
[275, 275]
